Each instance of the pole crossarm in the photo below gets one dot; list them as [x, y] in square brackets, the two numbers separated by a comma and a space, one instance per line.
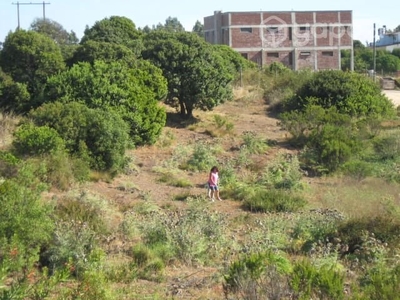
[31, 3]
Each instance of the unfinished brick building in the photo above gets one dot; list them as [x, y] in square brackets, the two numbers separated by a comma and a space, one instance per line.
[298, 39]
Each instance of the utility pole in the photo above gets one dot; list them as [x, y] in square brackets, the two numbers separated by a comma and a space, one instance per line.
[31, 3]
[374, 57]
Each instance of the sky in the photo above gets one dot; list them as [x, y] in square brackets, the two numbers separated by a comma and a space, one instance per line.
[77, 14]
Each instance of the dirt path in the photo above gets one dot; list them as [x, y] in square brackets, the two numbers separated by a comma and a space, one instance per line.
[393, 95]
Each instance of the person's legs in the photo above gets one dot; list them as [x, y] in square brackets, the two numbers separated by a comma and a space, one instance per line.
[213, 191]
[217, 194]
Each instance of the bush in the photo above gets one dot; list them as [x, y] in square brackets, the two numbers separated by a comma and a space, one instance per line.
[274, 201]
[258, 276]
[253, 143]
[93, 134]
[351, 93]
[34, 140]
[309, 282]
[202, 158]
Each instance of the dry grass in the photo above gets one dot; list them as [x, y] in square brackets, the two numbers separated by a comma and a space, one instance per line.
[8, 123]
[353, 198]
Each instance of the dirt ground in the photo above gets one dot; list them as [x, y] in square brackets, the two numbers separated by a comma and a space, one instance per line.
[393, 95]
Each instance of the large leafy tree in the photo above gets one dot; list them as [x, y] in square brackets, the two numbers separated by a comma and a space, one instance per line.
[133, 92]
[197, 76]
[14, 96]
[30, 58]
[109, 52]
[54, 30]
[172, 25]
[117, 30]
[198, 28]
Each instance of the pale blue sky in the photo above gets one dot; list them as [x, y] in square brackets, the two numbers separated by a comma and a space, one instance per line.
[76, 14]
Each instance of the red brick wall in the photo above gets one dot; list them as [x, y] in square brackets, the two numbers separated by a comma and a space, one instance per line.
[346, 17]
[327, 17]
[245, 39]
[279, 38]
[328, 62]
[209, 23]
[250, 18]
[305, 62]
[276, 18]
[304, 18]
[346, 39]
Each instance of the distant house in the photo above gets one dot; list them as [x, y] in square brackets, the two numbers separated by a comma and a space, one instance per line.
[387, 40]
[298, 39]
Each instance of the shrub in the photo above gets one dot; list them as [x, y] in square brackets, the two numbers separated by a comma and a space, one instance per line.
[387, 146]
[357, 169]
[283, 173]
[309, 282]
[350, 93]
[274, 201]
[253, 143]
[93, 134]
[258, 275]
[202, 158]
[34, 140]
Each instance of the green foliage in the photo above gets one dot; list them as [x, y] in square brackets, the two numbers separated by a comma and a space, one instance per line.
[195, 235]
[91, 51]
[258, 275]
[202, 158]
[283, 173]
[67, 41]
[385, 228]
[380, 282]
[387, 145]
[253, 143]
[30, 58]
[37, 140]
[273, 201]
[14, 96]
[116, 30]
[198, 77]
[100, 137]
[8, 165]
[357, 169]
[313, 228]
[325, 282]
[130, 92]
[350, 93]
[24, 218]
[149, 265]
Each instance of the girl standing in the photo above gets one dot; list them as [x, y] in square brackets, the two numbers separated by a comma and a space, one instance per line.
[213, 184]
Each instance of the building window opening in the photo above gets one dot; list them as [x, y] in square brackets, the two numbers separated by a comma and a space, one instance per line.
[245, 55]
[273, 54]
[305, 53]
[304, 28]
[327, 53]
[246, 29]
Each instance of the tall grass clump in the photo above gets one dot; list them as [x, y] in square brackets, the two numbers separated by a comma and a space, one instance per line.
[274, 201]
[253, 143]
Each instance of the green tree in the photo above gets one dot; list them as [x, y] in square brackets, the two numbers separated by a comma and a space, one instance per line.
[197, 76]
[54, 30]
[396, 52]
[350, 93]
[117, 30]
[171, 25]
[198, 28]
[30, 58]
[14, 96]
[132, 92]
[109, 52]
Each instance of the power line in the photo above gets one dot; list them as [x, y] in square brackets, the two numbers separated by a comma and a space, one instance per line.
[31, 3]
